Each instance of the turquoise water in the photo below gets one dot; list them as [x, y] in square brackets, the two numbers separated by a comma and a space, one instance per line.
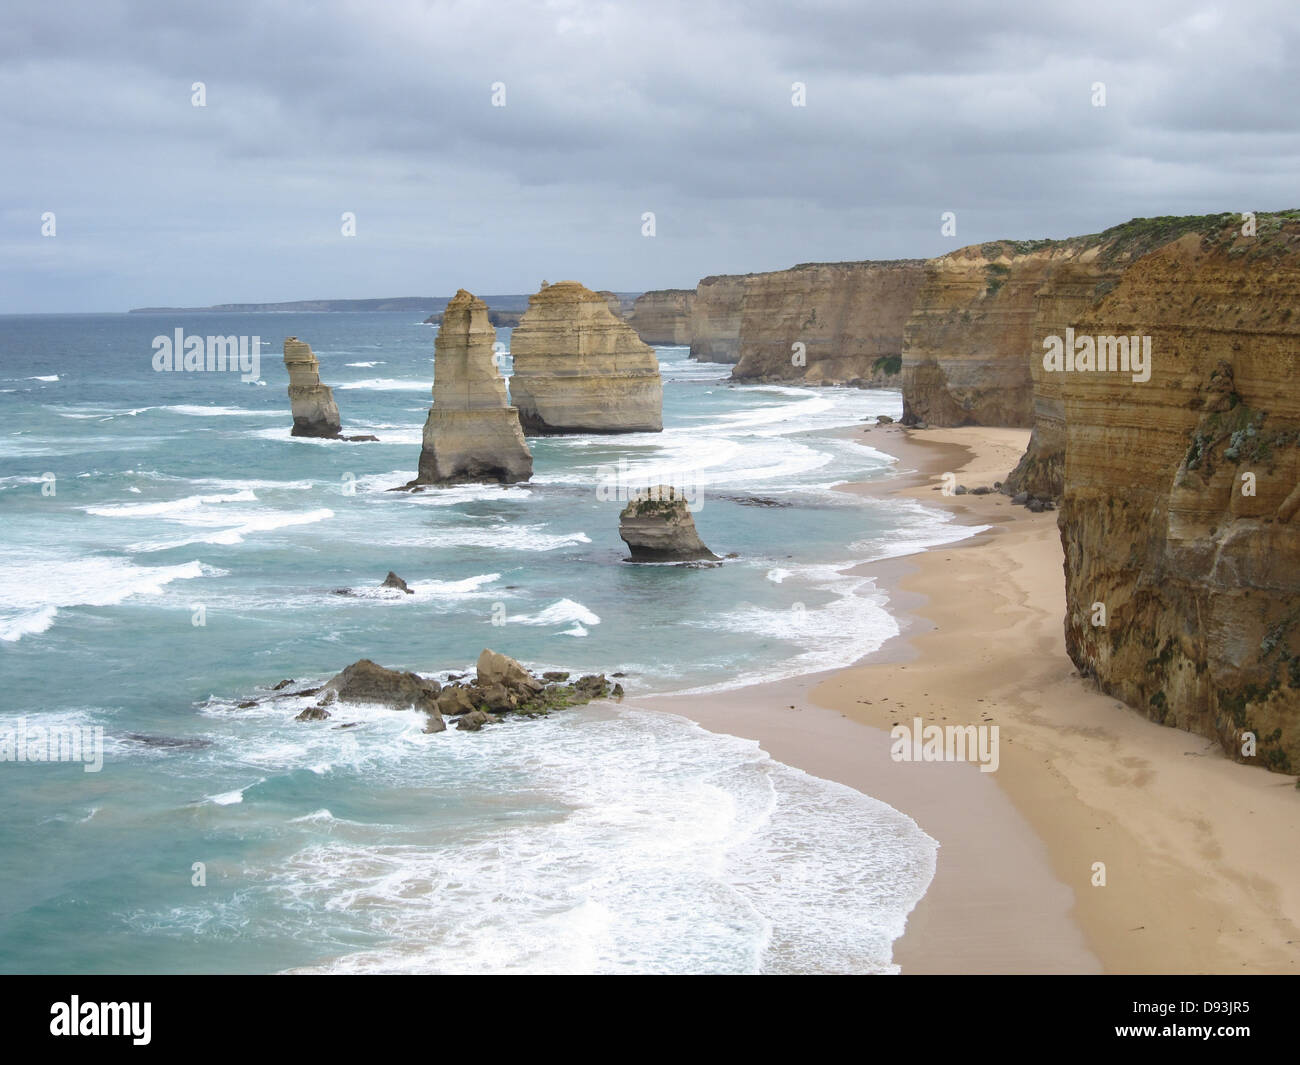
[136, 503]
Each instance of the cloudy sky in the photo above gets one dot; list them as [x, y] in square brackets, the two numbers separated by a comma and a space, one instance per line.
[384, 108]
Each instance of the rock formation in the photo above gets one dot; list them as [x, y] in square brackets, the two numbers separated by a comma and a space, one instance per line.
[657, 526]
[580, 369]
[314, 411]
[847, 317]
[1180, 493]
[366, 682]
[663, 316]
[472, 433]
[715, 318]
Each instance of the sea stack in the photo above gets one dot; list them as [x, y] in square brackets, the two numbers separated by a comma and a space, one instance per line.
[580, 369]
[657, 526]
[472, 433]
[314, 411]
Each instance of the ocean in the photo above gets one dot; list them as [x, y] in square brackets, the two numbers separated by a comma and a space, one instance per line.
[170, 552]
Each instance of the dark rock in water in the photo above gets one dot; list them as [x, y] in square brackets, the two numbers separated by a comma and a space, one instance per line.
[328, 699]
[1020, 499]
[617, 692]
[246, 705]
[884, 419]
[282, 685]
[475, 720]
[366, 682]
[178, 742]
[394, 581]
[434, 724]
[303, 693]
[982, 490]
[657, 526]
[555, 677]
[344, 591]
[364, 438]
[350, 724]
[455, 699]
[592, 686]
[313, 713]
[618, 674]
[755, 501]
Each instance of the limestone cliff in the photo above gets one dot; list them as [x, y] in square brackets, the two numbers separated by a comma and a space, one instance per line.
[966, 352]
[663, 316]
[311, 403]
[1180, 493]
[715, 318]
[846, 318]
[580, 369]
[472, 433]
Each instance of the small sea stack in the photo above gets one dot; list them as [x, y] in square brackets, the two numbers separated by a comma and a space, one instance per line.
[472, 433]
[314, 411]
[657, 526]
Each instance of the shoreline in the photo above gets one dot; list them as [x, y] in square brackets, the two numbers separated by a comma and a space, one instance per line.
[1199, 878]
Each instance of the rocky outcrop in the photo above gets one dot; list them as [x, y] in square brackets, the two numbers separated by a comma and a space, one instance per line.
[580, 369]
[715, 318]
[472, 434]
[828, 323]
[394, 581]
[663, 316]
[312, 404]
[657, 526]
[366, 682]
[1178, 515]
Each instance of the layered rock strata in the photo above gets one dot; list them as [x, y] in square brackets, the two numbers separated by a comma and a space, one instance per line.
[1180, 492]
[472, 434]
[312, 404]
[657, 526]
[663, 316]
[828, 323]
[580, 369]
[715, 318]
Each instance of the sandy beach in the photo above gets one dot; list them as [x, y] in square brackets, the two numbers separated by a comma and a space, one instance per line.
[1201, 871]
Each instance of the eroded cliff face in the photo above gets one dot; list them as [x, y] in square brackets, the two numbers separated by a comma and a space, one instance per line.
[967, 346]
[663, 316]
[715, 318]
[828, 323]
[580, 369]
[471, 434]
[311, 403]
[1180, 493]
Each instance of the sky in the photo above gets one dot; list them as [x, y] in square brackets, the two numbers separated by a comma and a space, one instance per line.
[757, 133]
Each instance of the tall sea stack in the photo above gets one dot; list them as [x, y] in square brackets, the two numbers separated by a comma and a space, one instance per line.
[579, 369]
[314, 411]
[472, 433]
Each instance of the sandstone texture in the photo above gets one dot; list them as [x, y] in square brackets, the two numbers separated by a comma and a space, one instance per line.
[312, 404]
[1180, 494]
[848, 317]
[657, 526]
[472, 434]
[580, 369]
[663, 316]
[715, 318]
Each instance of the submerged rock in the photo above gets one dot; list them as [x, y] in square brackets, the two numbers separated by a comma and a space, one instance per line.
[472, 433]
[657, 526]
[312, 404]
[581, 369]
